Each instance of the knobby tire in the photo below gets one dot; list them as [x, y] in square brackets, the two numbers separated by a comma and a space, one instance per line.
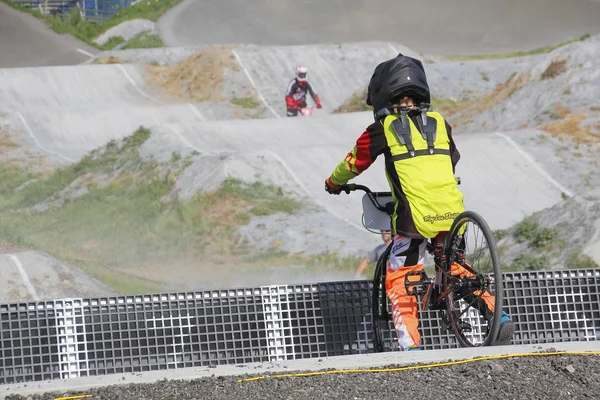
[459, 221]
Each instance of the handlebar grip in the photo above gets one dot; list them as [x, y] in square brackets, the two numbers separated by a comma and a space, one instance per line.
[347, 188]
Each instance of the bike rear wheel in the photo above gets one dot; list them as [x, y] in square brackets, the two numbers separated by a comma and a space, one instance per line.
[379, 304]
[474, 305]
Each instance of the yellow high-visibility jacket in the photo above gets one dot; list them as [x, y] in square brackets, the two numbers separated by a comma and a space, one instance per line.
[419, 162]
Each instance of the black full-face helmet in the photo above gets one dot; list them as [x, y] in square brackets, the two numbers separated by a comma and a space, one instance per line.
[401, 76]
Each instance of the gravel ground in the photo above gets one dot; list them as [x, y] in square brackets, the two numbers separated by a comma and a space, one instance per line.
[550, 377]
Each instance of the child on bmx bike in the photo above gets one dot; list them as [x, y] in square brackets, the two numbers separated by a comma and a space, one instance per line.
[420, 158]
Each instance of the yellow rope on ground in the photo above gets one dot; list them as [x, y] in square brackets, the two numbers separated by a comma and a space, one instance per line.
[83, 396]
[444, 364]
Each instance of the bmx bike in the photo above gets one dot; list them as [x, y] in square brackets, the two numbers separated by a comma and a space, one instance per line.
[306, 111]
[457, 296]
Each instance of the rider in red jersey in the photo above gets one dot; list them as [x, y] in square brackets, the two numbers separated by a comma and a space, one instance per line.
[295, 95]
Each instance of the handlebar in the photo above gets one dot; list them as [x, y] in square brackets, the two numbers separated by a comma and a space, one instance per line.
[351, 187]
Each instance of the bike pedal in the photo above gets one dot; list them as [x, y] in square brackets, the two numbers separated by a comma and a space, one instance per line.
[415, 283]
[465, 326]
[385, 316]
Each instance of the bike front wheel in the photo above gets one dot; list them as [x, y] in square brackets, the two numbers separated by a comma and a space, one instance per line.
[474, 303]
[379, 303]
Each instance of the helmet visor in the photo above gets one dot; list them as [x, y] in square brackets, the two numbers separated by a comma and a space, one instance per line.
[301, 75]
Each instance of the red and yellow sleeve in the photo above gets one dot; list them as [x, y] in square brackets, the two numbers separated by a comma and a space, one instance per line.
[357, 160]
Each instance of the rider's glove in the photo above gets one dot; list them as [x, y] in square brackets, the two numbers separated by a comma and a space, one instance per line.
[318, 101]
[319, 105]
[331, 187]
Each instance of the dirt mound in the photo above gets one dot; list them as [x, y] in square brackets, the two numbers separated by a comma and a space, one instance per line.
[559, 95]
[199, 78]
[463, 112]
[108, 60]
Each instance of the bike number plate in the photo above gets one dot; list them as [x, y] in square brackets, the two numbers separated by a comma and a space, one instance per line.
[374, 218]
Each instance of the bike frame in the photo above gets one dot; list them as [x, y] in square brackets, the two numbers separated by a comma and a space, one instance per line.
[435, 290]
[443, 290]
[306, 111]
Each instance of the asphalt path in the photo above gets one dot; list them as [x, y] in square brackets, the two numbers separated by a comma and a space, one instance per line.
[26, 41]
[435, 26]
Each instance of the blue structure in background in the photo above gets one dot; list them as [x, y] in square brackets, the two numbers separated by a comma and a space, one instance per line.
[102, 9]
[92, 9]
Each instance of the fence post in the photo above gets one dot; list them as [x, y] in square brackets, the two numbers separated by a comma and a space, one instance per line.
[81, 10]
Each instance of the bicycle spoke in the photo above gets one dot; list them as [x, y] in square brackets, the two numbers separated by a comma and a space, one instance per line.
[469, 312]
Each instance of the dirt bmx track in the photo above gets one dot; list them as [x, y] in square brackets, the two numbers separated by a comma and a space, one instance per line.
[444, 28]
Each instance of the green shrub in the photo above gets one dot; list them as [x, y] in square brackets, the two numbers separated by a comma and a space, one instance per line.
[500, 234]
[528, 262]
[577, 260]
[542, 238]
[526, 229]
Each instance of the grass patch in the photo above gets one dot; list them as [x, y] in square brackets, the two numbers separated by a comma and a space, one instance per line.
[528, 230]
[466, 109]
[144, 40]
[332, 262]
[86, 30]
[318, 264]
[112, 157]
[500, 234]
[356, 103]
[126, 228]
[113, 42]
[577, 260]
[540, 50]
[449, 106]
[528, 262]
[245, 102]
[264, 199]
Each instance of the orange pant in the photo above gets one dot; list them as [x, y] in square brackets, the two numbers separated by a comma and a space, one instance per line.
[408, 255]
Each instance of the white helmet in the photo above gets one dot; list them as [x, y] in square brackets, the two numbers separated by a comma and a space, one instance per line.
[301, 72]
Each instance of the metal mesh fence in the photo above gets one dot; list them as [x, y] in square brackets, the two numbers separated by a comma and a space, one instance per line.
[83, 337]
